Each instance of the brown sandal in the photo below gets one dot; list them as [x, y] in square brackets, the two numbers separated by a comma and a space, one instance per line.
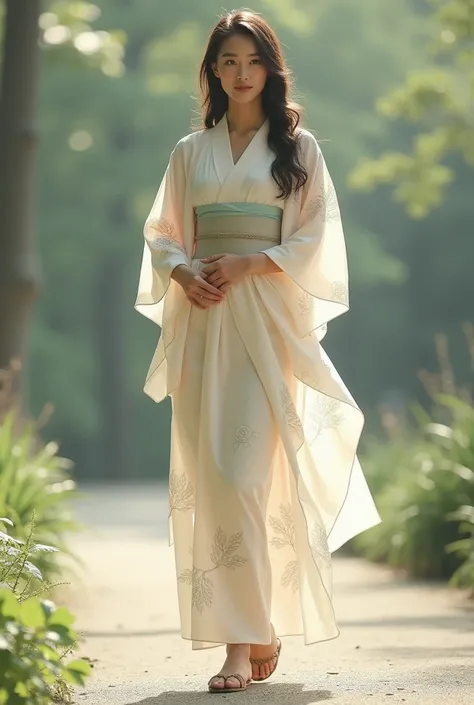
[243, 683]
[262, 661]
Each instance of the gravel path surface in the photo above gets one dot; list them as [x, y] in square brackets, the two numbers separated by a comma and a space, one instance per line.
[400, 642]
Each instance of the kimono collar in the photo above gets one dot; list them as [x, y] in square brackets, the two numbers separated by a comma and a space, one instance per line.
[222, 151]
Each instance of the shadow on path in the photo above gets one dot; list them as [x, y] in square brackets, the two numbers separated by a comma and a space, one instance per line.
[396, 653]
[459, 623]
[120, 634]
[261, 694]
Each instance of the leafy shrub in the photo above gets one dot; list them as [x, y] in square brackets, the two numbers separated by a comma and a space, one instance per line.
[17, 571]
[33, 478]
[432, 477]
[423, 480]
[464, 548]
[34, 638]
[35, 635]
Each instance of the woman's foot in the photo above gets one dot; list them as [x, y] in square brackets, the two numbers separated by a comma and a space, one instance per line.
[237, 661]
[268, 653]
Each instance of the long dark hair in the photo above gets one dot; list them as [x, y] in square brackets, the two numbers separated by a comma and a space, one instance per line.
[283, 116]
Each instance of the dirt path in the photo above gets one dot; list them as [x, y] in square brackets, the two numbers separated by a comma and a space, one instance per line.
[399, 642]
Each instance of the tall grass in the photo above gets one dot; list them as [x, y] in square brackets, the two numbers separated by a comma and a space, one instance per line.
[34, 479]
[423, 480]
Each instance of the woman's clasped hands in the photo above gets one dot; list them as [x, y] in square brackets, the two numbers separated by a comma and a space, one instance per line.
[207, 287]
[223, 271]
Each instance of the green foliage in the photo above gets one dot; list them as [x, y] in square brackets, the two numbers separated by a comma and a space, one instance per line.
[34, 480]
[424, 486]
[439, 100]
[432, 111]
[18, 572]
[35, 635]
[68, 26]
[464, 548]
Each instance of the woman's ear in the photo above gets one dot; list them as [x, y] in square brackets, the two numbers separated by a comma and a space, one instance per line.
[215, 71]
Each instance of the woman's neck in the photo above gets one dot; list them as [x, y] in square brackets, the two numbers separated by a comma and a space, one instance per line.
[245, 118]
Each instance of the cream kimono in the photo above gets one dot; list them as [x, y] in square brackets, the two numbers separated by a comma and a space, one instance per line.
[264, 479]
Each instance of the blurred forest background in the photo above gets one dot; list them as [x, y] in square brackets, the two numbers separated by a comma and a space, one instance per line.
[387, 89]
[93, 97]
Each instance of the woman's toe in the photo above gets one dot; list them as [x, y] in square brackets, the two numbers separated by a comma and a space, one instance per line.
[232, 682]
[218, 682]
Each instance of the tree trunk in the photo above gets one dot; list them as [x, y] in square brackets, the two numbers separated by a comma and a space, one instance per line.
[18, 138]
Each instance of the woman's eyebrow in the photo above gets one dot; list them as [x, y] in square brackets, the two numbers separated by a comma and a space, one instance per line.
[228, 53]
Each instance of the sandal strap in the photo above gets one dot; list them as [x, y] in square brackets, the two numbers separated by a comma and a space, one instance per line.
[262, 661]
[237, 676]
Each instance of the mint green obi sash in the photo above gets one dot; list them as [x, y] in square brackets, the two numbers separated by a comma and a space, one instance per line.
[236, 228]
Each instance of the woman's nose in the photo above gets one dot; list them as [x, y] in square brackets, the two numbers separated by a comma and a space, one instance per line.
[243, 73]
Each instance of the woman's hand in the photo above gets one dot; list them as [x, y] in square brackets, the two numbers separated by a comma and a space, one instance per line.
[223, 271]
[198, 291]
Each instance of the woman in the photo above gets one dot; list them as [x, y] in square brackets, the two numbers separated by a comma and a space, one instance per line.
[243, 266]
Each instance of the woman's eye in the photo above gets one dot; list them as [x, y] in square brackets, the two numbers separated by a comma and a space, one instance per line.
[256, 61]
[229, 62]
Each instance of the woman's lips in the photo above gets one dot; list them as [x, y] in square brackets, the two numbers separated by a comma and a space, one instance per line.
[243, 88]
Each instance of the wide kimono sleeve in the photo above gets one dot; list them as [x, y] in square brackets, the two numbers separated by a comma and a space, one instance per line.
[312, 253]
[164, 232]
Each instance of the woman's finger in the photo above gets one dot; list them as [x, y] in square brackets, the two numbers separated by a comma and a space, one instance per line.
[209, 289]
[205, 298]
[212, 278]
[204, 295]
[205, 303]
[209, 270]
[212, 258]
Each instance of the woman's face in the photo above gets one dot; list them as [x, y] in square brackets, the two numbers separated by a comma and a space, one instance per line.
[240, 69]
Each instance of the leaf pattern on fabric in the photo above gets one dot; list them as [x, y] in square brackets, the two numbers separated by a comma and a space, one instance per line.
[244, 437]
[326, 414]
[181, 493]
[319, 545]
[223, 548]
[332, 211]
[340, 292]
[163, 226]
[309, 378]
[325, 205]
[284, 529]
[222, 556]
[305, 303]
[291, 577]
[201, 588]
[315, 206]
[161, 235]
[292, 418]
